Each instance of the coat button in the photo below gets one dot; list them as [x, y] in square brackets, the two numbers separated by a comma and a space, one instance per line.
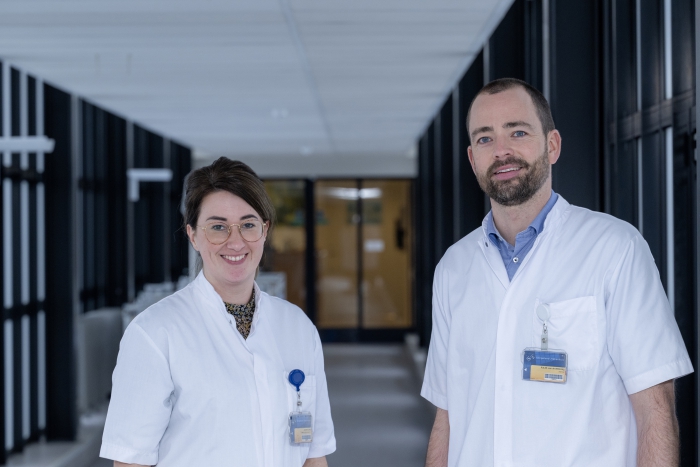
[515, 260]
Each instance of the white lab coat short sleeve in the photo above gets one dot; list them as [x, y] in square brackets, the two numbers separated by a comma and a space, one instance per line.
[643, 338]
[141, 389]
[435, 381]
[324, 436]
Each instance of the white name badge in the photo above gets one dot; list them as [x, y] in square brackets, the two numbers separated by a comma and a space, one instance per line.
[549, 366]
[300, 428]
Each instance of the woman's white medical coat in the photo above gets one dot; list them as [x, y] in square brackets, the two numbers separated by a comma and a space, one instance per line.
[188, 390]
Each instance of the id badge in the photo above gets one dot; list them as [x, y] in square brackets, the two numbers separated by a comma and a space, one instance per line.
[300, 428]
[549, 366]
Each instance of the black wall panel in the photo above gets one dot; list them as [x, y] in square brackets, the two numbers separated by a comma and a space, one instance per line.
[575, 101]
[103, 190]
[653, 224]
[683, 45]
[651, 14]
[622, 41]
[685, 293]
[3, 453]
[22, 177]
[425, 235]
[17, 309]
[61, 412]
[115, 234]
[446, 191]
[623, 192]
[685, 207]
[14, 102]
[621, 90]
[31, 106]
[149, 212]
[533, 30]
[180, 163]
[471, 203]
[507, 45]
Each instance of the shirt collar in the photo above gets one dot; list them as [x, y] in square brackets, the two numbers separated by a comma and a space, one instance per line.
[207, 289]
[537, 224]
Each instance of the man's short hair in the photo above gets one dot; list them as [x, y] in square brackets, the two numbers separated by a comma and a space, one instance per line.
[544, 113]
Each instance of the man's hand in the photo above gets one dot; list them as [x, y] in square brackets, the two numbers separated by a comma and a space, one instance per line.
[439, 440]
[657, 426]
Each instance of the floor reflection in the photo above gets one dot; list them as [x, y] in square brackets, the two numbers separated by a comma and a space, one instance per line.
[380, 419]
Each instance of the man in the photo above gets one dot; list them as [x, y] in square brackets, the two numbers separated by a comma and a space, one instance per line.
[553, 341]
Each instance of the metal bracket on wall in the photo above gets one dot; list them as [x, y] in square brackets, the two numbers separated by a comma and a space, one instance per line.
[135, 176]
[27, 144]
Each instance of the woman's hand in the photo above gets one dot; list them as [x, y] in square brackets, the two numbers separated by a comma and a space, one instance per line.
[316, 462]
[121, 464]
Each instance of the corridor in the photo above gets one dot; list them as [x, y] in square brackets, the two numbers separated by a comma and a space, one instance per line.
[380, 418]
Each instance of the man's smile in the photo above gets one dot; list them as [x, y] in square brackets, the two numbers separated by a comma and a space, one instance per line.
[506, 172]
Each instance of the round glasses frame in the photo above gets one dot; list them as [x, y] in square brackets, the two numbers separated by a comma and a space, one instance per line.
[240, 231]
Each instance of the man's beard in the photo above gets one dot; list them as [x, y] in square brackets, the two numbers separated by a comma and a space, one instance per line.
[518, 190]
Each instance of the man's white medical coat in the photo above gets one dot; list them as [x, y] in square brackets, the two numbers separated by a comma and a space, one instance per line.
[610, 314]
[188, 390]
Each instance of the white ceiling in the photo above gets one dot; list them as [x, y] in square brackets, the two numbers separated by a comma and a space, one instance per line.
[295, 87]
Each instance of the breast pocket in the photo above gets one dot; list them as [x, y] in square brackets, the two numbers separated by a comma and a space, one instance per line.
[573, 328]
[307, 391]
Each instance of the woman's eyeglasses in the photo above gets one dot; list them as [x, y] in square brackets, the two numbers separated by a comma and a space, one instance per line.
[251, 230]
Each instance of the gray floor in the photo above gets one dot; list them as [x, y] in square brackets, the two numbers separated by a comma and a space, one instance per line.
[380, 420]
[379, 417]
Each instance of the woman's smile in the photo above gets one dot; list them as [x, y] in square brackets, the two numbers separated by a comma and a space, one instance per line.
[238, 259]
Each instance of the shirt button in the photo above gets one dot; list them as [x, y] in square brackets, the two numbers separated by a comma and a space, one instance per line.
[515, 260]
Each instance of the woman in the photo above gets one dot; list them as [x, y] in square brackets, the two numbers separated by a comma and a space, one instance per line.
[203, 376]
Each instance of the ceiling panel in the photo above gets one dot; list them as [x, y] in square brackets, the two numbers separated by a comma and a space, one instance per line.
[259, 78]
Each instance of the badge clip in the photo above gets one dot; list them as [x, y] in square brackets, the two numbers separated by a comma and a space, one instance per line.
[300, 423]
[549, 366]
[543, 313]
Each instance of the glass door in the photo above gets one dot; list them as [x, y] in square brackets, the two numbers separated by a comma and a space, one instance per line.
[285, 253]
[363, 236]
[386, 254]
[337, 220]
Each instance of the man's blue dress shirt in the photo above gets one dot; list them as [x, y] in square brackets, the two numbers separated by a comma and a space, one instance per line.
[514, 254]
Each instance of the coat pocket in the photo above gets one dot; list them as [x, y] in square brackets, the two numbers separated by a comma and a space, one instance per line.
[573, 328]
[307, 391]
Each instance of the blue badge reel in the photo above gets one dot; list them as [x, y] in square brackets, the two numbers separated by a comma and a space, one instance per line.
[300, 423]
